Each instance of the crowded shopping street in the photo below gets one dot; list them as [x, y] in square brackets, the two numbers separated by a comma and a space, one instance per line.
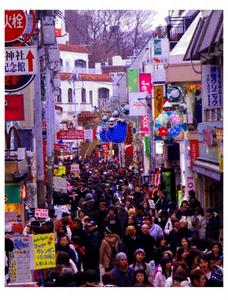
[114, 148]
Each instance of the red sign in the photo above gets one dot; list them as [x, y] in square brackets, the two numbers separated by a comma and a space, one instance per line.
[14, 108]
[194, 150]
[144, 124]
[145, 84]
[71, 134]
[15, 24]
[61, 147]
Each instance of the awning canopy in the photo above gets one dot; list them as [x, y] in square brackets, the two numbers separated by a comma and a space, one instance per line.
[208, 34]
[206, 168]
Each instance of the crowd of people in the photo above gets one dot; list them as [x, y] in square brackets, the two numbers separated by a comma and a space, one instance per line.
[116, 231]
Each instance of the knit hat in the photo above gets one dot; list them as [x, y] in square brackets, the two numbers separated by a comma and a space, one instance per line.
[139, 250]
[120, 255]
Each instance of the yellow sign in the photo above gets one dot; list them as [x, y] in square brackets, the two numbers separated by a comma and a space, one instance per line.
[44, 251]
[61, 171]
[158, 100]
[219, 137]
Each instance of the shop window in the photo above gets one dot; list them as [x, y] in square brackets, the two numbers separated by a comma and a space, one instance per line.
[91, 97]
[80, 63]
[59, 96]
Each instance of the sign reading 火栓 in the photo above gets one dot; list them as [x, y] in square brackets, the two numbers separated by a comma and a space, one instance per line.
[212, 86]
[20, 60]
[15, 24]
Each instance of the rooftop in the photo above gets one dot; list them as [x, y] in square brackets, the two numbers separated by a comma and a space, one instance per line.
[73, 48]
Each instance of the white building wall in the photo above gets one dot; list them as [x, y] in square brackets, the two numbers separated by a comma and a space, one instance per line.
[69, 59]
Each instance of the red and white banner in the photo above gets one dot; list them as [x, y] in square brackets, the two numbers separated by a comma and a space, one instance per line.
[194, 150]
[14, 108]
[61, 147]
[145, 84]
[41, 213]
[71, 134]
[144, 120]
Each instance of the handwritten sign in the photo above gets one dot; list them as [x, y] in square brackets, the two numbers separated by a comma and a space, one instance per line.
[44, 251]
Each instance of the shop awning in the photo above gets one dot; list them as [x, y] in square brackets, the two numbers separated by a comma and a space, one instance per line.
[208, 34]
[206, 168]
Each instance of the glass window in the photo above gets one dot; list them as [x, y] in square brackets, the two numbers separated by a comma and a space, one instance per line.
[70, 95]
[83, 95]
[80, 63]
[91, 97]
[59, 96]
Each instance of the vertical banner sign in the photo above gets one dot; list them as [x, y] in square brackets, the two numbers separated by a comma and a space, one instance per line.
[212, 87]
[157, 47]
[158, 100]
[14, 108]
[145, 84]
[137, 103]
[219, 137]
[194, 150]
[44, 251]
[144, 120]
[190, 184]
[147, 146]
[133, 80]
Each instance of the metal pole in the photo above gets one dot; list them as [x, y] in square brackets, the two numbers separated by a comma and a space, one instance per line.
[38, 132]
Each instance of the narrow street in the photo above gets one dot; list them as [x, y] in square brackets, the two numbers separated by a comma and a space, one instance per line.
[114, 148]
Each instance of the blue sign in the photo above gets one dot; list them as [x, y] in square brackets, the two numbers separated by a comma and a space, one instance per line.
[157, 47]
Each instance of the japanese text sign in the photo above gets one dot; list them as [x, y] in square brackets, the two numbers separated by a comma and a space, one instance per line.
[15, 24]
[41, 213]
[44, 251]
[212, 86]
[194, 150]
[20, 60]
[145, 84]
[71, 134]
[158, 100]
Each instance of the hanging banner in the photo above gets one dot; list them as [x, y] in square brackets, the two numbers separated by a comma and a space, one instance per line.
[194, 150]
[44, 251]
[212, 86]
[219, 137]
[147, 146]
[158, 100]
[71, 134]
[145, 84]
[144, 120]
[133, 80]
[189, 179]
[137, 104]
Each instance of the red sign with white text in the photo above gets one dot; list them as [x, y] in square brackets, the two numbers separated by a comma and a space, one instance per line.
[72, 134]
[14, 108]
[144, 124]
[145, 83]
[194, 150]
[15, 24]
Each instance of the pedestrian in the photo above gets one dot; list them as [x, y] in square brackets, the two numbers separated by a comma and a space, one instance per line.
[110, 246]
[146, 242]
[140, 279]
[163, 272]
[122, 273]
[130, 242]
[63, 244]
[140, 264]
[198, 278]
[213, 225]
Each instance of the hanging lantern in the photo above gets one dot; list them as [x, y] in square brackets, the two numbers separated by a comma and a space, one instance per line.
[117, 134]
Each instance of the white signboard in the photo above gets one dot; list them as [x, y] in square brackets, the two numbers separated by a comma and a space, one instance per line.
[59, 184]
[41, 213]
[20, 60]
[212, 87]
[159, 50]
[137, 104]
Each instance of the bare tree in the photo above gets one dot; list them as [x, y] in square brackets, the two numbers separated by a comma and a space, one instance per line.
[109, 32]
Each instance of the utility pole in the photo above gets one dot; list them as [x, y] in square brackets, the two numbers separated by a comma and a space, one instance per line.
[38, 128]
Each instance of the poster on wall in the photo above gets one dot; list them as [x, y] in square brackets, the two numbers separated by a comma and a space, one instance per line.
[133, 80]
[158, 100]
[20, 259]
[219, 137]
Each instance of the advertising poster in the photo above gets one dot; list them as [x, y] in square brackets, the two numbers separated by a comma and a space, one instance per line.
[133, 80]
[158, 100]
[219, 137]
[44, 251]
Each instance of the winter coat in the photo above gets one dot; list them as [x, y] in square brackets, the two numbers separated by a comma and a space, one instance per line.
[159, 279]
[123, 279]
[212, 227]
[139, 266]
[108, 249]
[92, 247]
[146, 242]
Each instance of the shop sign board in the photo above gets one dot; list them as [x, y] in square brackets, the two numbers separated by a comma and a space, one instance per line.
[158, 100]
[14, 108]
[212, 86]
[137, 104]
[145, 84]
[133, 80]
[71, 134]
[41, 213]
[219, 137]
[194, 150]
